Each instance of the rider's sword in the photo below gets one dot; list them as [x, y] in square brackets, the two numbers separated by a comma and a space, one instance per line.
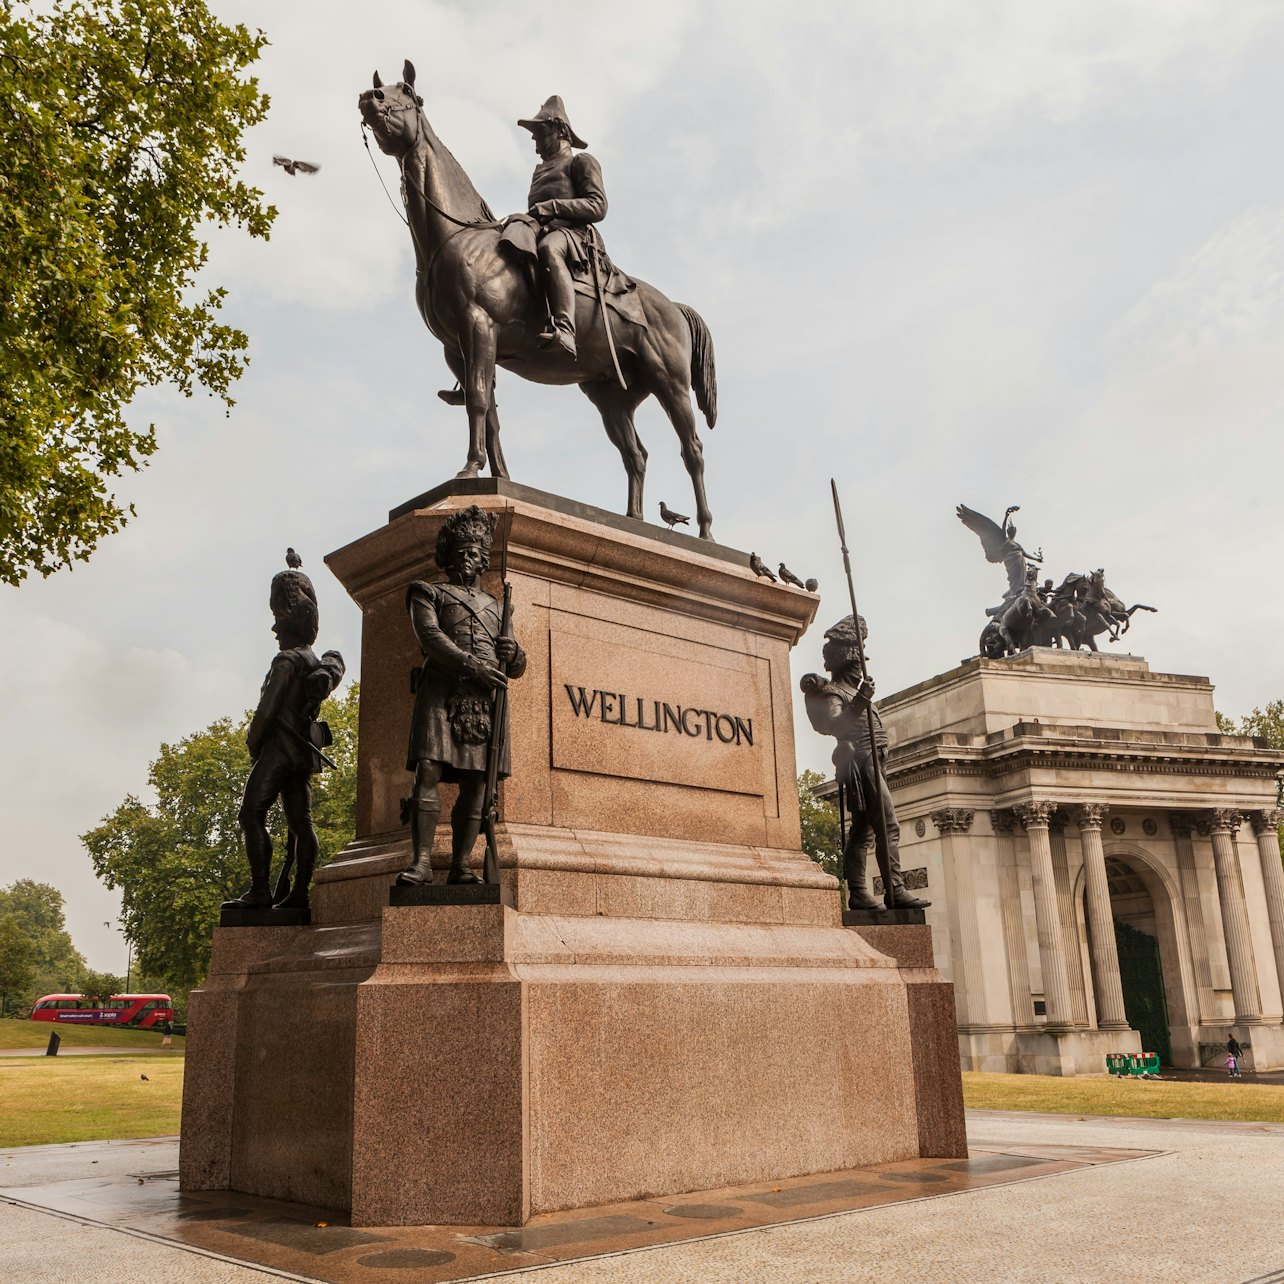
[601, 303]
[883, 852]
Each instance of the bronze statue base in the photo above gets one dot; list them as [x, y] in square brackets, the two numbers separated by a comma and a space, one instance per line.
[446, 894]
[882, 917]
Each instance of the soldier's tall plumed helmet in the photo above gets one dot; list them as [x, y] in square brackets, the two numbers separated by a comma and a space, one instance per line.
[294, 604]
[470, 525]
[841, 639]
[553, 110]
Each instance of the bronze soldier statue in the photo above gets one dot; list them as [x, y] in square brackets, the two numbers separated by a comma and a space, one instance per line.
[466, 656]
[567, 198]
[286, 742]
[838, 706]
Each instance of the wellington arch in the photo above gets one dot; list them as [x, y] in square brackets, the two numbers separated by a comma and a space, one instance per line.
[1103, 863]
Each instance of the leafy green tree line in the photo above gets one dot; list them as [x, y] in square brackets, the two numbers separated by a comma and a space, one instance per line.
[120, 139]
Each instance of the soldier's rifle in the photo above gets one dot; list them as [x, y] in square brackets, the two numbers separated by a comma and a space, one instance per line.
[883, 853]
[498, 725]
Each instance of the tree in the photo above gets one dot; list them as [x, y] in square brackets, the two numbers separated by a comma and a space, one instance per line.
[17, 965]
[1267, 723]
[820, 837]
[101, 985]
[120, 136]
[177, 860]
[37, 909]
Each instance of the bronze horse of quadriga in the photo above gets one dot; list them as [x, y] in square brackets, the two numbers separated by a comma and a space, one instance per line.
[486, 311]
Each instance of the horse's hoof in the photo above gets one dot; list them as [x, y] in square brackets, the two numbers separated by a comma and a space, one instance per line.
[468, 470]
[706, 532]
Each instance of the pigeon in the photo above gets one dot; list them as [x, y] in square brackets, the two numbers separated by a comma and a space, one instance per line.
[760, 568]
[292, 559]
[671, 518]
[295, 166]
[789, 577]
[144, 1078]
[812, 585]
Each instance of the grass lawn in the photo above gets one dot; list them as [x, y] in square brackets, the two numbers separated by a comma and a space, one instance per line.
[46, 1099]
[17, 1033]
[1152, 1099]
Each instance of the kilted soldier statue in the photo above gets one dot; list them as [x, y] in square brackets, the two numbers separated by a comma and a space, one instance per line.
[466, 656]
[285, 741]
[840, 707]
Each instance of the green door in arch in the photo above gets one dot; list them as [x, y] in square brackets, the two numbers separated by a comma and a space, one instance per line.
[1143, 989]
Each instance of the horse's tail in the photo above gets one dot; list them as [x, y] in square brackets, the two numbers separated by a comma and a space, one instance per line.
[704, 378]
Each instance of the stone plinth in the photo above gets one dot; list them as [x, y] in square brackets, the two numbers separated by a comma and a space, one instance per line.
[664, 1000]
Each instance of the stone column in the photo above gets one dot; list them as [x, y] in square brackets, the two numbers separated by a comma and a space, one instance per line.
[1034, 816]
[1222, 823]
[1182, 825]
[1003, 823]
[953, 824]
[1069, 919]
[1266, 829]
[1101, 921]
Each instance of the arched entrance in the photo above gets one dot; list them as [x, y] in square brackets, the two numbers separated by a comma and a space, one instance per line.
[1140, 964]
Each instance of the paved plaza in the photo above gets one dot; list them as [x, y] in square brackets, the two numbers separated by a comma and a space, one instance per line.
[1044, 1197]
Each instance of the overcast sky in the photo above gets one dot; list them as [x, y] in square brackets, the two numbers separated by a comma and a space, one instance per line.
[1004, 253]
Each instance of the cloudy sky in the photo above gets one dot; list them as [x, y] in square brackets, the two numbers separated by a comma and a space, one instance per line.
[998, 253]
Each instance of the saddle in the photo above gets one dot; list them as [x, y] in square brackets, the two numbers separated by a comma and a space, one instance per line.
[519, 239]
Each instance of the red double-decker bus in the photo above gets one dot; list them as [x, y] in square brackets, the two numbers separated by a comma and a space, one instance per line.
[139, 1011]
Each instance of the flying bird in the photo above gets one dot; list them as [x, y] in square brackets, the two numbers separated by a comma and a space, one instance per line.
[295, 166]
[812, 585]
[760, 568]
[292, 559]
[789, 577]
[671, 518]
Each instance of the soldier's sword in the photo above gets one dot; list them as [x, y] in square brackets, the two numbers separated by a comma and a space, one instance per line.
[298, 735]
[883, 852]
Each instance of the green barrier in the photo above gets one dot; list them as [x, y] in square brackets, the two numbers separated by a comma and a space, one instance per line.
[1132, 1065]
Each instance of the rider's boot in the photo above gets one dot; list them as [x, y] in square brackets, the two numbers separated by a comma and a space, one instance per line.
[559, 290]
[423, 829]
[453, 396]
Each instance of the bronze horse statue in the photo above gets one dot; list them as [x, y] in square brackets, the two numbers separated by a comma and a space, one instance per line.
[487, 311]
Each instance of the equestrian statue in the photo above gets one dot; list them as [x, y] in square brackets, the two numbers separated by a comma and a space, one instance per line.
[537, 294]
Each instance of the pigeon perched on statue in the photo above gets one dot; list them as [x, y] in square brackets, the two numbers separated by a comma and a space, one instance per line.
[672, 519]
[789, 577]
[295, 166]
[292, 559]
[760, 568]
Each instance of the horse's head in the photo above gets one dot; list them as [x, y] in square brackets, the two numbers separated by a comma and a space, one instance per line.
[392, 112]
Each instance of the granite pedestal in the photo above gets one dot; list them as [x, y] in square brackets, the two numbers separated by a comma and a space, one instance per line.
[663, 1000]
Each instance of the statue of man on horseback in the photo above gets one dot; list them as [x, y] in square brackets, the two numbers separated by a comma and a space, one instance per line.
[535, 293]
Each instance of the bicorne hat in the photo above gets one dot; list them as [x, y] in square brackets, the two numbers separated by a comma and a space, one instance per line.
[553, 110]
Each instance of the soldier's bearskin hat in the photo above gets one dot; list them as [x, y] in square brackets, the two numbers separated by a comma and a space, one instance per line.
[294, 605]
[470, 525]
[845, 630]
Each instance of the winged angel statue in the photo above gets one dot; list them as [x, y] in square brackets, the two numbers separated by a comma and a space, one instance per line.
[1033, 614]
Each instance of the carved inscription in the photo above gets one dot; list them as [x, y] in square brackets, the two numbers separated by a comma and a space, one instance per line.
[652, 708]
[658, 715]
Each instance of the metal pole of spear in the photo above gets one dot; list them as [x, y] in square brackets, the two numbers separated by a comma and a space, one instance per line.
[884, 851]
